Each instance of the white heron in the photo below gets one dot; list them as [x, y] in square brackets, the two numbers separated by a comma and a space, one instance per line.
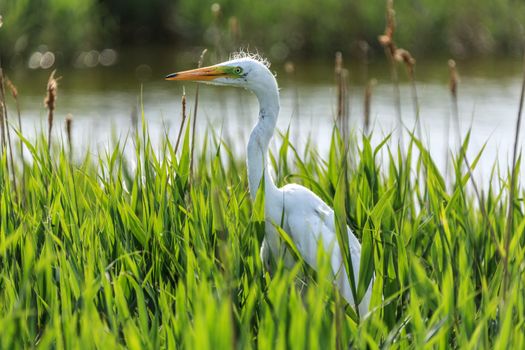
[303, 215]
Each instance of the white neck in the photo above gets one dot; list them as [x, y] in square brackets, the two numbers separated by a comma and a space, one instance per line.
[257, 153]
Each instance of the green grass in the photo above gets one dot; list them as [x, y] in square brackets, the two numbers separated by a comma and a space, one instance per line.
[97, 253]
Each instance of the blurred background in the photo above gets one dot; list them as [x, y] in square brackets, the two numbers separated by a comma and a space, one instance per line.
[282, 30]
[111, 54]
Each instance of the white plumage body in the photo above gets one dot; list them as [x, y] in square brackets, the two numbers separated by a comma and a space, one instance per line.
[309, 221]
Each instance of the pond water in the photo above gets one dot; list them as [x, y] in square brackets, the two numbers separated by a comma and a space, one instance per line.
[102, 100]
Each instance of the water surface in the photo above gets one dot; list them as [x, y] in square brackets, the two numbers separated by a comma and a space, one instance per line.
[102, 100]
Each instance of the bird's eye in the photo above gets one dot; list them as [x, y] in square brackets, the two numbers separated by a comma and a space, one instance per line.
[238, 70]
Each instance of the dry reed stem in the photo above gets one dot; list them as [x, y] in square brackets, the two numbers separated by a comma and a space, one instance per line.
[345, 124]
[6, 126]
[513, 179]
[387, 41]
[69, 125]
[50, 103]
[367, 104]
[339, 84]
[14, 93]
[341, 76]
[2, 117]
[195, 116]
[364, 50]
[183, 101]
[453, 87]
[404, 56]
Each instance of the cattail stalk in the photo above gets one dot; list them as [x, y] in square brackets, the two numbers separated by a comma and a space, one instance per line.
[403, 56]
[195, 116]
[454, 80]
[69, 122]
[339, 85]
[14, 93]
[453, 87]
[513, 179]
[364, 49]
[6, 127]
[346, 107]
[50, 103]
[387, 41]
[2, 117]
[367, 104]
[341, 79]
[183, 101]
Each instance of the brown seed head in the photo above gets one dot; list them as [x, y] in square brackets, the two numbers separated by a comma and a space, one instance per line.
[12, 87]
[183, 104]
[368, 99]
[390, 19]
[51, 96]
[402, 55]
[69, 121]
[454, 79]
[385, 40]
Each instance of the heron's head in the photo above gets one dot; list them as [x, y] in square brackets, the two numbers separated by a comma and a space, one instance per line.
[245, 72]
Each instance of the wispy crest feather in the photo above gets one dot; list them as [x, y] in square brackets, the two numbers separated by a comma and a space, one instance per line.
[253, 55]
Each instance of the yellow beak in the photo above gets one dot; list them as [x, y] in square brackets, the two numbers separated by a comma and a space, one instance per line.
[199, 74]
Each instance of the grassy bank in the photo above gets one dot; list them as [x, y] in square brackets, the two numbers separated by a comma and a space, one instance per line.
[127, 250]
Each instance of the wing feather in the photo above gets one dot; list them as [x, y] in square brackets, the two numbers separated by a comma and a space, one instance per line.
[310, 221]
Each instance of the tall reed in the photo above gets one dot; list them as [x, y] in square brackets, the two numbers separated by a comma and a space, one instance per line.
[50, 103]
[14, 94]
[453, 86]
[69, 131]
[8, 133]
[183, 119]
[3, 112]
[512, 188]
[341, 79]
[367, 104]
[387, 41]
[404, 56]
[453, 89]
[195, 106]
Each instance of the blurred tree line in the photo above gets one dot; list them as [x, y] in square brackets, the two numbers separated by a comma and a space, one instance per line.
[281, 29]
